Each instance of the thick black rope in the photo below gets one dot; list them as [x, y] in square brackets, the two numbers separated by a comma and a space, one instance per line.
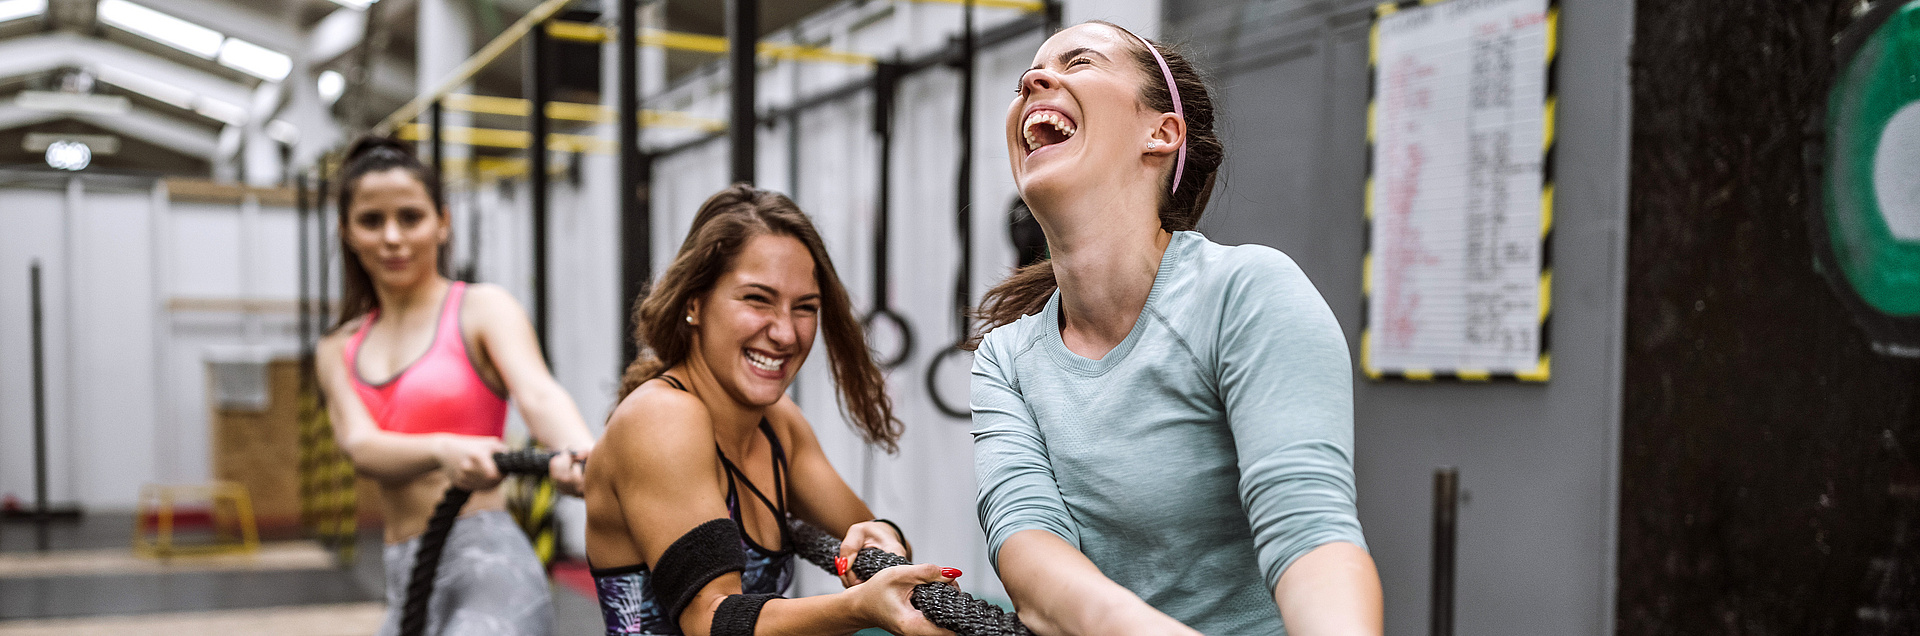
[947, 607]
[426, 561]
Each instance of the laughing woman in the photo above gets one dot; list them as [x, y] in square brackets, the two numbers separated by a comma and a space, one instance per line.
[1163, 425]
[706, 461]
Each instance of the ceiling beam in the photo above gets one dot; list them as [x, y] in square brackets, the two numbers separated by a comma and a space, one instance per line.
[42, 53]
[12, 117]
[159, 130]
[142, 124]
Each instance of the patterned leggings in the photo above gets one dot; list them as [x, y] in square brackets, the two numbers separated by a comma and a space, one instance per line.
[490, 582]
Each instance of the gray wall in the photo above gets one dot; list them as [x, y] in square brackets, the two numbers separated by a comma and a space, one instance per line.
[1538, 463]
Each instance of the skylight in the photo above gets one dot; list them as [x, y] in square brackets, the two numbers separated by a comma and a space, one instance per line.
[15, 9]
[160, 27]
[255, 60]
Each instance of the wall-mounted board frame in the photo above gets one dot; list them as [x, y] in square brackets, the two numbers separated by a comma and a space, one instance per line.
[1459, 202]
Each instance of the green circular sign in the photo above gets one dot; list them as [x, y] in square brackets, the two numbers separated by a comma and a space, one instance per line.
[1871, 185]
[1873, 179]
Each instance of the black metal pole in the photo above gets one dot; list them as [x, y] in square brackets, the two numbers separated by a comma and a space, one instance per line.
[636, 225]
[435, 148]
[537, 85]
[1446, 499]
[963, 190]
[320, 227]
[302, 205]
[885, 77]
[39, 405]
[743, 36]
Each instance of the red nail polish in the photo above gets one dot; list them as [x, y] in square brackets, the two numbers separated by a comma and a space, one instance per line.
[950, 573]
[839, 565]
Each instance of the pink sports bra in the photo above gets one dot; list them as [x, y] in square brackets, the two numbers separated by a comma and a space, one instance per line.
[438, 393]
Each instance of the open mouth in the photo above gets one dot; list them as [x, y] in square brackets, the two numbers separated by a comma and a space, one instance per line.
[1045, 128]
[764, 362]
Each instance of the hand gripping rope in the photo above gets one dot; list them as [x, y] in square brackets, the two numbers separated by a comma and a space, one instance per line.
[426, 561]
[947, 607]
[944, 606]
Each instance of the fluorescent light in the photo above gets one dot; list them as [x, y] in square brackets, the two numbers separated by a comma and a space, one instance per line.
[154, 89]
[331, 86]
[162, 28]
[355, 4]
[16, 9]
[282, 131]
[64, 102]
[228, 113]
[100, 145]
[255, 60]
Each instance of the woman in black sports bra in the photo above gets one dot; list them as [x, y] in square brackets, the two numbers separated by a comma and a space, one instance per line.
[706, 461]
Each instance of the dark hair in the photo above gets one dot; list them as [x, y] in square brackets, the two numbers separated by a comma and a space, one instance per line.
[723, 227]
[1027, 290]
[369, 155]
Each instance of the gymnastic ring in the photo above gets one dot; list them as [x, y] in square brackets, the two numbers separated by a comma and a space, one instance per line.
[906, 336]
[933, 387]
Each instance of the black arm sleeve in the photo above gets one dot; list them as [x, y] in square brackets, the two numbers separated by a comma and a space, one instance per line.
[738, 615]
[695, 559]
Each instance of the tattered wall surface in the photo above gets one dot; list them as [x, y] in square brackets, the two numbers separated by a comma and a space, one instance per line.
[1767, 447]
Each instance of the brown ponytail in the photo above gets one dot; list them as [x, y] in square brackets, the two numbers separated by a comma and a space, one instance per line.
[1027, 290]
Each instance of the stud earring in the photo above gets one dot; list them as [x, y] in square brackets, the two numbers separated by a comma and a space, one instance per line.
[1153, 144]
[689, 319]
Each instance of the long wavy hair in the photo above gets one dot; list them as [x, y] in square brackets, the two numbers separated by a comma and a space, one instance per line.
[723, 227]
[369, 155]
[1027, 290]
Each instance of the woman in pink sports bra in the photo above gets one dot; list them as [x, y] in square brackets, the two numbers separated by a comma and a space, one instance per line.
[417, 374]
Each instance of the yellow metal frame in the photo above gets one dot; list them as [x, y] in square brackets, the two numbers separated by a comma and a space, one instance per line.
[702, 43]
[487, 54]
[574, 111]
[503, 138]
[163, 497]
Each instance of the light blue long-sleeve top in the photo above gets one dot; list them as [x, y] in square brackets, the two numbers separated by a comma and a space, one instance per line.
[1196, 460]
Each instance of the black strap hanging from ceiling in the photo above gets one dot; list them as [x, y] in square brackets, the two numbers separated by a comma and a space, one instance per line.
[963, 221]
[886, 79]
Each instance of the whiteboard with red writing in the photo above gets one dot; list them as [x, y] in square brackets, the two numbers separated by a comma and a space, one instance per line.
[1459, 191]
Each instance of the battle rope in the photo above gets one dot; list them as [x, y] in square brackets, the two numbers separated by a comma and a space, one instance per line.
[945, 606]
[426, 561]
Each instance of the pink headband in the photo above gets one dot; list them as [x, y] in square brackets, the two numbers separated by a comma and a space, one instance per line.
[1180, 164]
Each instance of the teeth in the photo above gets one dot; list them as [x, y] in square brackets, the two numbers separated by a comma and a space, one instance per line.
[763, 362]
[1059, 123]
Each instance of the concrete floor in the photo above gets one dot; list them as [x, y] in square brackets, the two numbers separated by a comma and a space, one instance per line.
[303, 600]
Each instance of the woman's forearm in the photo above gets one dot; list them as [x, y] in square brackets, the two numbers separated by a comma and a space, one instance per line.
[1333, 589]
[825, 614]
[392, 457]
[553, 418]
[1058, 592]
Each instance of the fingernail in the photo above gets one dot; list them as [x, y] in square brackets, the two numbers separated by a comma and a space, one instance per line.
[950, 573]
[839, 565]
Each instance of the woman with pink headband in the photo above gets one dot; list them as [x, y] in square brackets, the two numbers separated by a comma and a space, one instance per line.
[1163, 425]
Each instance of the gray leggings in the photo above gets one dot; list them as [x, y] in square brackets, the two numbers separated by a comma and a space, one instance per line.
[490, 581]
